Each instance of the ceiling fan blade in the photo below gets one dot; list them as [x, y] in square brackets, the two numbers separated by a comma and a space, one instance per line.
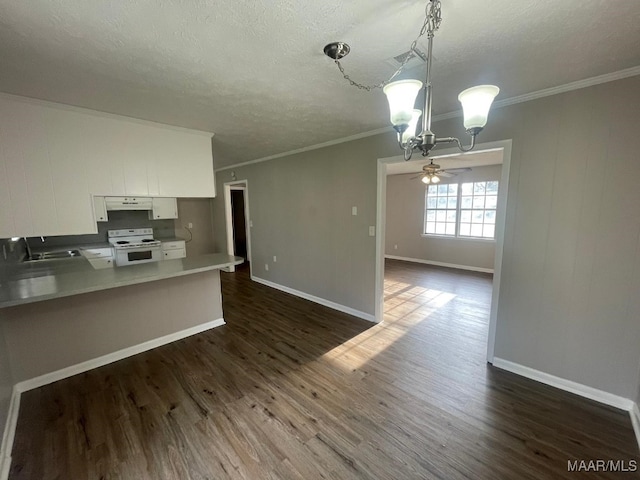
[457, 170]
[446, 174]
[417, 176]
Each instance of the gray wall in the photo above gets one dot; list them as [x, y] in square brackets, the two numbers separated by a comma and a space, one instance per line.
[300, 207]
[47, 336]
[405, 223]
[571, 269]
[198, 212]
[638, 394]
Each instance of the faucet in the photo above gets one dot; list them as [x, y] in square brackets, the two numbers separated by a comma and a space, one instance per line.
[26, 242]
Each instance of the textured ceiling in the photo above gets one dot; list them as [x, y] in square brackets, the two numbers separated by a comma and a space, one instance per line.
[253, 72]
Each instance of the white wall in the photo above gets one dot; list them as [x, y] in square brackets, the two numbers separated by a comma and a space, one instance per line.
[571, 268]
[405, 223]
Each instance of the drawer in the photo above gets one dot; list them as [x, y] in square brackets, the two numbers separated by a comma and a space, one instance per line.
[99, 263]
[178, 244]
[175, 253]
[97, 252]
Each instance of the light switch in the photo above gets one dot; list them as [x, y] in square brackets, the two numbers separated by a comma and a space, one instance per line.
[354, 211]
[372, 230]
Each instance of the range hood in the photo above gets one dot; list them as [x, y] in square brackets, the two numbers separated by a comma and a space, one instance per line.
[128, 203]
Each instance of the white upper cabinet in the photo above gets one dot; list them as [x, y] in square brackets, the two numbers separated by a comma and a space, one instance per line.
[164, 208]
[53, 158]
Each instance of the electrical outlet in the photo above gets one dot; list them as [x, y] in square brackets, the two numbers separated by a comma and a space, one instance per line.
[372, 231]
[266, 267]
[189, 225]
[395, 247]
[354, 211]
[274, 259]
[250, 223]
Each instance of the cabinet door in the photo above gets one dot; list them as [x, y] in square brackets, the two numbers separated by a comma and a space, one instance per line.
[65, 134]
[185, 166]
[176, 253]
[100, 209]
[164, 207]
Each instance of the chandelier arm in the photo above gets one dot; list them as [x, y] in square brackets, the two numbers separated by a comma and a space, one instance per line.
[407, 153]
[457, 142]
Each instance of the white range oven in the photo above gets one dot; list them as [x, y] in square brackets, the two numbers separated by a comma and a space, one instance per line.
[135, 245]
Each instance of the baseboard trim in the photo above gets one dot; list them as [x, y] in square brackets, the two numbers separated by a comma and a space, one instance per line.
[313, 298]
[9, 434]
[564, 384]
[66, 372]
[440, 264]
[26, 385]
[635, 421]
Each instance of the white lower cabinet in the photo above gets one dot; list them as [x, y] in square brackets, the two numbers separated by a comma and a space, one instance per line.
[99, 257]
[174, 249]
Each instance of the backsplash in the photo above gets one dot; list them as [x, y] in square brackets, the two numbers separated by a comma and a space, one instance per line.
[118, 220]
[14, 251]
[191, 210]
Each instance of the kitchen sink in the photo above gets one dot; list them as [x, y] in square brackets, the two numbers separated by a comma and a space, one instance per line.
[53, 255]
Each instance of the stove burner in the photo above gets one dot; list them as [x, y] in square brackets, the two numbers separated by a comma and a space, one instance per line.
[147, 240]
[122, 242]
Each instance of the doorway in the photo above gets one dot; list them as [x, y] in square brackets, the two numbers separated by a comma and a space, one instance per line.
[383, 163]
[238, 223]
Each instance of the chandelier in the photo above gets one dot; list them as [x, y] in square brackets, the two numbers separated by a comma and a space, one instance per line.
[402, 95]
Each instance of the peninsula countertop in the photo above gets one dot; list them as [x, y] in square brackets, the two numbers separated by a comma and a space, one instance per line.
[30, 282]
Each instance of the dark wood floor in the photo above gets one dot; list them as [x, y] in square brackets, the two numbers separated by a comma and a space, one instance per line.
[291, 390]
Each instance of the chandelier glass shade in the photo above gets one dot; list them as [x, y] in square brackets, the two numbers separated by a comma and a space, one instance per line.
[476, 102]
[413, 123]
[402, 94]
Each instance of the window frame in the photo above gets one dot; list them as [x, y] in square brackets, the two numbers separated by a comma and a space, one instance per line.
[458, 210]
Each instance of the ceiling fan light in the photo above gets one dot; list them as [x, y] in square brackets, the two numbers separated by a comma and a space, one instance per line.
[435, 179]
[425, 179]
[411, 130]
[476, 102]
[401, 96]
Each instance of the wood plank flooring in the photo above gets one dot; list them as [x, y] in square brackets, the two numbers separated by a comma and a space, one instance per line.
[291, 390]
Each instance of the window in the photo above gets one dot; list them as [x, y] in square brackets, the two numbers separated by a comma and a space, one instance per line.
[462, 210]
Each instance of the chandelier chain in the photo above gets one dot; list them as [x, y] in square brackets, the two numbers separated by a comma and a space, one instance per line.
[433, 17]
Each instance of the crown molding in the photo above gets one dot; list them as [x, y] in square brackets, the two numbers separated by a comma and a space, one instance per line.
[337, 141]
[547, 92]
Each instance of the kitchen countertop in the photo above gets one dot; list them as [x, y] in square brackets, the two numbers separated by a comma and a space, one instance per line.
[36, 281]
[170, 239]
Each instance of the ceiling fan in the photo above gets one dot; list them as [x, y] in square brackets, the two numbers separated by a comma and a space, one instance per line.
[432, 172]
